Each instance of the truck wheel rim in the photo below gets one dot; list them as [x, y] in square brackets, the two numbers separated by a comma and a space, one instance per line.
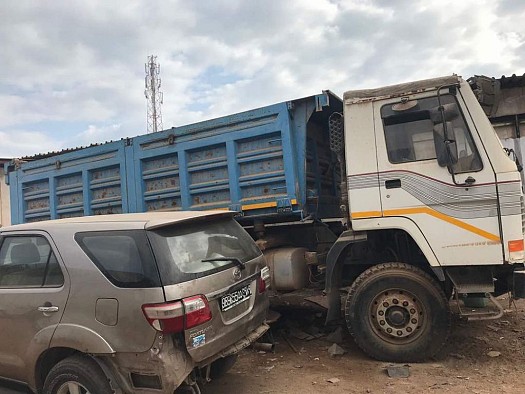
[72, 388]
[397, 316]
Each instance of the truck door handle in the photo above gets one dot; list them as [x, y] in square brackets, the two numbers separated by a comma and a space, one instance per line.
[393, 184]
[48, 309]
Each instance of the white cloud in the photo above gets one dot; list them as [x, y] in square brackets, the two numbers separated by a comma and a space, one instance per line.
[96, 133]
[81, 64]
[17, 143]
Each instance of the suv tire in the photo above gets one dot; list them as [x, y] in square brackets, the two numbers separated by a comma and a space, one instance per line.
[81, 372]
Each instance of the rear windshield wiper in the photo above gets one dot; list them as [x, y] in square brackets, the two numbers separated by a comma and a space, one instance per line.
[232, 259]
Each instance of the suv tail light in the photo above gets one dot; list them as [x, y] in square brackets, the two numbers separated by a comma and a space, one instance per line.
[262, 285]
[264, 280]
[197, 311]
[172, 317]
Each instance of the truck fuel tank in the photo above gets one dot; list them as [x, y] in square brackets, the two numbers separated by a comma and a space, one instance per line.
[288, 268]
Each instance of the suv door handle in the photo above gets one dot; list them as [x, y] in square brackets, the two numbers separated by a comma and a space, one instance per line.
[48, 309]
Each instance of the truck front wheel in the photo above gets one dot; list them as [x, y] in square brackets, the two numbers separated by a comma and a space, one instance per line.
[397, 312]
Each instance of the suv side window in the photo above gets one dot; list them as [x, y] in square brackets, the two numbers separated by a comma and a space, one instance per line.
[28, 261]
[124, 257]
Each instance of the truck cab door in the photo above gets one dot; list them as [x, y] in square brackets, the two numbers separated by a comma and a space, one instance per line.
[455, 206]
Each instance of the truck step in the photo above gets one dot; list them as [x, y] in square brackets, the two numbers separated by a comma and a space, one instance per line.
[492, 311]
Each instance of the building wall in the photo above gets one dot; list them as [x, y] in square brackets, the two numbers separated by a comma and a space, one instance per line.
[5, 212]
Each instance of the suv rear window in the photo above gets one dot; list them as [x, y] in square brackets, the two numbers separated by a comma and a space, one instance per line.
[181, 249]
[124, 257]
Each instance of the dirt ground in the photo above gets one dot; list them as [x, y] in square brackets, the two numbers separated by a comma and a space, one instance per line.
[464, 365]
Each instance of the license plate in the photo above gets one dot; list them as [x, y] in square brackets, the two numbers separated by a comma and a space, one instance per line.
[235, 298]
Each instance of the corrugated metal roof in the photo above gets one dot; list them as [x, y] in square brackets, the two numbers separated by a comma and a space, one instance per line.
[39, 156]
[501, 97]
[513, 81]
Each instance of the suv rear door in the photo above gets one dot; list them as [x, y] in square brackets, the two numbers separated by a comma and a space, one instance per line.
[33, 294]
[218, 259]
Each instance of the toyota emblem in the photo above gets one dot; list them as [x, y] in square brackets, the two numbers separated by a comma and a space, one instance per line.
[237, 274]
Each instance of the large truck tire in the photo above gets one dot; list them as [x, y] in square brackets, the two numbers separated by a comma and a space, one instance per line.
[397, 312]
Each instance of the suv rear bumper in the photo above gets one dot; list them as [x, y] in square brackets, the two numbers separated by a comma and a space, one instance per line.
[166, 363]
[239, 345]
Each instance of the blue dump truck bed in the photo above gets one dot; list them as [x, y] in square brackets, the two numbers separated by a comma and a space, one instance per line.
[272, 163]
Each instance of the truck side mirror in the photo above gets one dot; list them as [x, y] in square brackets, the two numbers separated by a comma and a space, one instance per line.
[446, 150]
[450, 112]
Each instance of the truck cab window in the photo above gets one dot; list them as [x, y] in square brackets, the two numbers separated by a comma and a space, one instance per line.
[468, 157]
[411, 133]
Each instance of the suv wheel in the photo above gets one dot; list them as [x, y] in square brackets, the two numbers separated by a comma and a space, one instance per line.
[77, 375]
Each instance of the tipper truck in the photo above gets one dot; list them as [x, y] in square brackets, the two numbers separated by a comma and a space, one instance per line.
[403, 196]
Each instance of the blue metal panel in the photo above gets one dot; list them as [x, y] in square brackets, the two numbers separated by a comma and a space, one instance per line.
[261, 168]
[131, 204]
[272, 162]
[83, 182]
[36, 200]
[208, 177]
[290, 155]
[105, 184]
[86, 194]
[69, 198]
[233, 175]
[160, 185]
[15, 191]
[220, 159]
[183, 177]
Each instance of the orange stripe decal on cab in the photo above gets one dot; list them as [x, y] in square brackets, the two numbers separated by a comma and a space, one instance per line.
[366, 214]
[433, 213]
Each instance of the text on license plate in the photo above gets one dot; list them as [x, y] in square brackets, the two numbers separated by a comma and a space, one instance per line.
[235, 298]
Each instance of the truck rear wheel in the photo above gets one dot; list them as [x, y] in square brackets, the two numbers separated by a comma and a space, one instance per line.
[397, 312]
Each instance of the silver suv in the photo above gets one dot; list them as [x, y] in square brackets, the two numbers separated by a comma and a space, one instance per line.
[132, 303]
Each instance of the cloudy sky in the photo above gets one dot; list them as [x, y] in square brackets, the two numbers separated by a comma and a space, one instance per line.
[73, 71]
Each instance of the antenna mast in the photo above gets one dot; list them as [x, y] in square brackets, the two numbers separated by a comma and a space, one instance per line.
[153, 94]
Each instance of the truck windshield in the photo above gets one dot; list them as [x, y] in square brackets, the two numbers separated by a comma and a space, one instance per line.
[189, 251]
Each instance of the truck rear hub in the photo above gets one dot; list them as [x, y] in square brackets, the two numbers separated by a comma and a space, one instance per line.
[396, 315]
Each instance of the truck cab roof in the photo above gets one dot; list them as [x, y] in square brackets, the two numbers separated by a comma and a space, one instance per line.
[403, 89]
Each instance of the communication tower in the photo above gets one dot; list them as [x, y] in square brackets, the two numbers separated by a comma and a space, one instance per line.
[153, 94]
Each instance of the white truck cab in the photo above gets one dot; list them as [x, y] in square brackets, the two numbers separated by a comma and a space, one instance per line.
[461, 204]
[435, 208]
